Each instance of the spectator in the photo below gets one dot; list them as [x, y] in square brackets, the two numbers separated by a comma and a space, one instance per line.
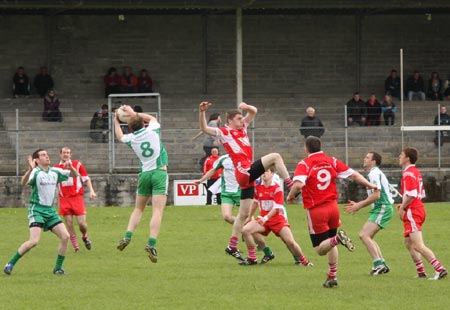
[99, 125]
[311, 121]
[21, 83]
[435, 87]
[356, 111]
[128, 81]
[145, 82]
[447, 88]
[208, 165]
[209, 142]
[442, 119]
[43, 82]
[415, 86]
[389, 109]
[373, 109]
[112, 82]
[392, 84]
[51, 108]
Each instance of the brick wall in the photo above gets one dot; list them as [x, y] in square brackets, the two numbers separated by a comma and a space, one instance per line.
[285, 54]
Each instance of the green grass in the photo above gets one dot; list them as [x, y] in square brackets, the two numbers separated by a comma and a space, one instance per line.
[194, 273]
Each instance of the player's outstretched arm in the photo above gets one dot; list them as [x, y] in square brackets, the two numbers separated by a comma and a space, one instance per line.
[357, 177]
[352, 207]
[203, 107]
[206, 176]
[295, 190]
[117, 129]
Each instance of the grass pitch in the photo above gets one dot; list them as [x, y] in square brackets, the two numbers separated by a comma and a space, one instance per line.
[194, 273]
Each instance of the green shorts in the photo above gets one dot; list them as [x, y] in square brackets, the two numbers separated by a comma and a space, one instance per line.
[381, 215]
[46, 216]
[233, 199]
[154, 182]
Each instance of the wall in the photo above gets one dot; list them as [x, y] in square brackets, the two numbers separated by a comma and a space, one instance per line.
[186, 54]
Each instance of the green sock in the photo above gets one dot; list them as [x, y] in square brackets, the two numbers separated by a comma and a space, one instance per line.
[152, 242]
[267, 251]
[378, 262]
[128, 234]
[59, 262]
[296, 259]
[15, 258]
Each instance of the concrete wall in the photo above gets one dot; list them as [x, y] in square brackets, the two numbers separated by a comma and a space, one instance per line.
[186, 54]
[119, 190]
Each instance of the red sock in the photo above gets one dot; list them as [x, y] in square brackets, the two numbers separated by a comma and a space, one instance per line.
[251, 252]
[436, 265]
[288, 182]
[303, 260]
[334, 241]
[420, 267]
[332, 270]
[233, 243]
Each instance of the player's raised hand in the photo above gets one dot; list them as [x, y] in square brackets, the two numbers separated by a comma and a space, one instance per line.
[31, 162]
[243, 106]
[204, 106]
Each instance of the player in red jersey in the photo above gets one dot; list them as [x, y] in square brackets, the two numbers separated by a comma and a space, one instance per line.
[235, 140]
[71, 201]
[207, 166]
[315, 177]
[412, 213]
[270, 200]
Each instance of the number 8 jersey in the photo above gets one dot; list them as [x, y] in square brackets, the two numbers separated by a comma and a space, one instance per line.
[319, 172]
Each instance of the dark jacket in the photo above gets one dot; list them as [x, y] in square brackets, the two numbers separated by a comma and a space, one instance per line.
[308, 122]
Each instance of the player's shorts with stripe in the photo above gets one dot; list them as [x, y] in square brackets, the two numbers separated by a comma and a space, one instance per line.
[275, 224]
[233, 199]
[381, 215]
[154, 182]
[413, 220]
[246, 176]
[46, 217]
[323, 217]
[72, 205]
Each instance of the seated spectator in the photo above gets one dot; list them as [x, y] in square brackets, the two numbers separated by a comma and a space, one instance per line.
[373, 111]
[392, 84]
[51, 108]
[389, 109]
[99, 125]
[112, 82]
[128, 81]
[447, 88]
[21, 83]
[311, 125]
[415, 86]
[356, 111]
[43, 82]
[442, 119]
[435, 87]
[145, 82]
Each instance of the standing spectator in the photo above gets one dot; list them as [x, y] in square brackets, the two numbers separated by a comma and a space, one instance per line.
[373, 110]
[209, 164]
[51, 108]
[415, 86]
[442, 119]
[21, 83]
[153, 179]
[41, 215]
[145, 82]
[310, 121]
[315, 177]
[128, 81]
[71, 201]
[380, 214]
[388, 107]
[209, 141]
[356, 111]
[392, 84]
[112, 82]
[99, 125]
[269, 198]
[435, 87]
[43, 82]
[412, 212]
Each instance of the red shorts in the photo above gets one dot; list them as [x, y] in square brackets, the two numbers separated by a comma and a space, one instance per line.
[413, 220]
[243, 178]
[72, 205]
[324, 217]
[275, 225]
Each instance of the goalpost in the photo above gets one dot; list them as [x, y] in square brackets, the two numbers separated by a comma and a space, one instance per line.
[112, 148]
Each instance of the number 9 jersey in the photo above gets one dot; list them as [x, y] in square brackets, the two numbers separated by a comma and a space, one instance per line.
[319, 172]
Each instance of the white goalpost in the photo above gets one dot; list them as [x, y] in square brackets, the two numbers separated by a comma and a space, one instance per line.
[112, 147]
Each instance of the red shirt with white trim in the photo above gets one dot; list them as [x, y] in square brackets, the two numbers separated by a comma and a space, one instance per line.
[73, 186]
[412, 185]
[319, 172]
[208, 165]
[237, 144]
[268, 198]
